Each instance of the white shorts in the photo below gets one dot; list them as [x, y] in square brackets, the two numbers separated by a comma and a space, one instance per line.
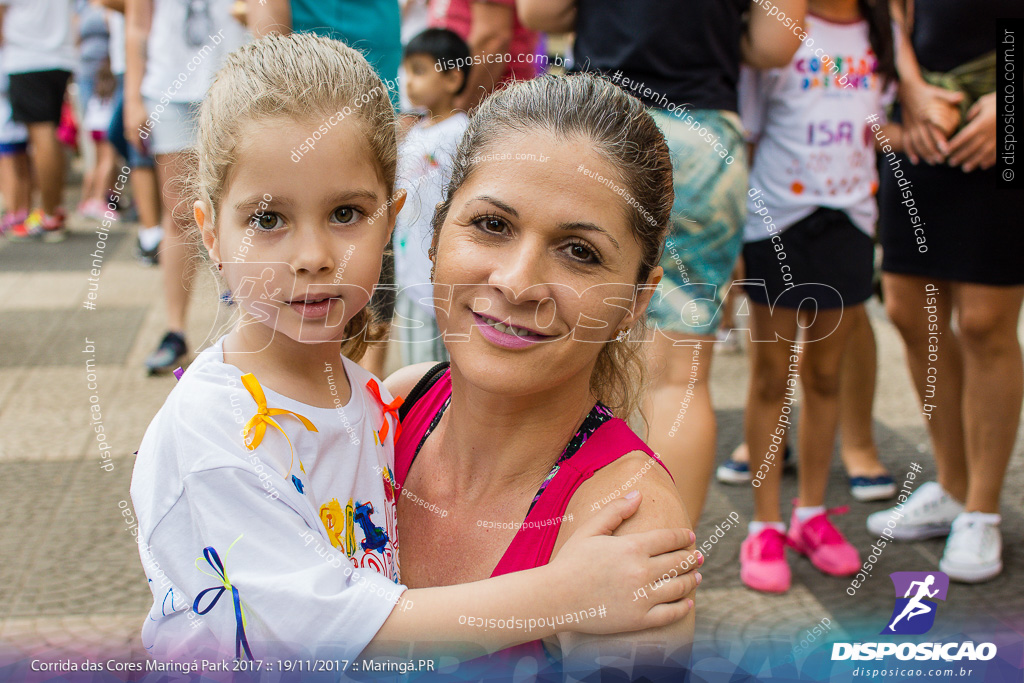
[175, 126]
[11, 133]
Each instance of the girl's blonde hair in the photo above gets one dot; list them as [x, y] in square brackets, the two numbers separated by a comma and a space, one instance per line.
[588, 107]
[303, 77]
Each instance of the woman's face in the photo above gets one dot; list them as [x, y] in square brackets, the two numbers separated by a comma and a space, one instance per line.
[535, 241]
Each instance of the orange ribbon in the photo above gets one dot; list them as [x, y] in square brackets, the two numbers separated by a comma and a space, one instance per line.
[391, 408]
[263, 417]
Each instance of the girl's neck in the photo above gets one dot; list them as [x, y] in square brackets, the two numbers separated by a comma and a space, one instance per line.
[491, 441]
[835, 10]
[291, 368]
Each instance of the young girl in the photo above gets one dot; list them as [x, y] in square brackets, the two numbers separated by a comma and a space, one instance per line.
[811, 214]
[267, 477]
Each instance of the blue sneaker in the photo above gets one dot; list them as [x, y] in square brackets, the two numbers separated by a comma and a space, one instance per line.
[168, 355]
[867, 489]
[736, 472]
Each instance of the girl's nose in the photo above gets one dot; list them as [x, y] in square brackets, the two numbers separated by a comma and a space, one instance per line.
[313, 254]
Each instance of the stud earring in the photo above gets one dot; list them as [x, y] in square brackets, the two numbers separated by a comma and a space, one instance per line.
[220, 266]
[622, 335]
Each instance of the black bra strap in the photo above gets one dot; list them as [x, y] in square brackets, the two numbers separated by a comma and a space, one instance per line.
[428, 380]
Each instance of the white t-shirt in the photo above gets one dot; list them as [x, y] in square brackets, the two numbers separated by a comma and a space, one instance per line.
[115, 20]
[37, 36]
[177, 69]
[424, 168]
[815, 147]
[196, 486]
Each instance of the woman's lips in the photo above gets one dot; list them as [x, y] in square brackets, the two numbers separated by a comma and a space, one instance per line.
[505, 337]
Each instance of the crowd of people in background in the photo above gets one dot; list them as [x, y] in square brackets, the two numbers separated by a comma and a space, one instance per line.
[798, 157]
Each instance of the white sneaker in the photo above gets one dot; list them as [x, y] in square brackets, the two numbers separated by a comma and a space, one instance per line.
[928, 512]
[974, 549]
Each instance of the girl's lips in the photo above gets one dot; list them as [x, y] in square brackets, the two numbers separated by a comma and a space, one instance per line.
[506, 340]
[312, 311]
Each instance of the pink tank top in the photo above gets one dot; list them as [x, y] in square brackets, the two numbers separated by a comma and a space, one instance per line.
[533, 543]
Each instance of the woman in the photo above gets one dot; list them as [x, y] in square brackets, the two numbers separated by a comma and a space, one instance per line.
[545, 257]
[952, 252]
[683, 59]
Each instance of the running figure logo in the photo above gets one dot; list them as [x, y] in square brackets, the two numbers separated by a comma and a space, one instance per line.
[914, 613]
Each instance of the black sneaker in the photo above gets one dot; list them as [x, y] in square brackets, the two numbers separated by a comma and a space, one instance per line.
[168, 355]
[149, 257]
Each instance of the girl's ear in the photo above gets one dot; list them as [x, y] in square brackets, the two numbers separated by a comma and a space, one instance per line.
[645, 290]
[396, 206]
[201, 211]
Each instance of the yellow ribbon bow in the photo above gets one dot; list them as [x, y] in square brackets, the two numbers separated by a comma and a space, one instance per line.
[258, 424]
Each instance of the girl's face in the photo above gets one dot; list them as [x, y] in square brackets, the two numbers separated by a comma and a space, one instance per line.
[301, 241]
[534, 242]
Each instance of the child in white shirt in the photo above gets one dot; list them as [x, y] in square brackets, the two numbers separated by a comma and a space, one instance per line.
[436, 69]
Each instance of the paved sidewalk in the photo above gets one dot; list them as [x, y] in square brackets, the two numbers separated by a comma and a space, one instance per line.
[70, 577]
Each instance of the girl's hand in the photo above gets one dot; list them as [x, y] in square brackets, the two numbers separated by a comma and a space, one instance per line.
[975, 145]
[930, 115]
[612, 573]
[134, 120]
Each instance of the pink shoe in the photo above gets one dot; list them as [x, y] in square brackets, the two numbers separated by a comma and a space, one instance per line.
[763, 565]
[824, 544]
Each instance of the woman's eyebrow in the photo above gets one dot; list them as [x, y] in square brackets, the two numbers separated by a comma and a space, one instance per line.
[500, 204]
[589, 227]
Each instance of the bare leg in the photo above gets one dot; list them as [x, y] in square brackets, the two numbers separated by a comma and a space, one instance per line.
[819, 415]
[175, 252]
[686, 444]
[147, 195]
[857, 398]
[993, 385]
[14, 181]
[48, 161]
[103, 172]
[905, 301]
[766, 396]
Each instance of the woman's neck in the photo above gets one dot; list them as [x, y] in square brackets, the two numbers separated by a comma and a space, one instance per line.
[492, 440]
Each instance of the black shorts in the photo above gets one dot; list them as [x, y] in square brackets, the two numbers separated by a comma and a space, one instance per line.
[824, 257]
[37, 96]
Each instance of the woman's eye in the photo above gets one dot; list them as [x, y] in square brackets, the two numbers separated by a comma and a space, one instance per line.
[582, 252]
[491, 224]
[266, 221]
[345, 215]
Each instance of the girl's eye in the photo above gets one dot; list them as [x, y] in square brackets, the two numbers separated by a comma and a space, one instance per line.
[345, 215]
[583, 253]
[266, 221]
[491, 224]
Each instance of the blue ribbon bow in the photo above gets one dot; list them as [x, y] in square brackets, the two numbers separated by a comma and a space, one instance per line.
[213, 559]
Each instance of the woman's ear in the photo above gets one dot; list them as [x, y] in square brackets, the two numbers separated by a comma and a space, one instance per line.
[201, 211]
[645, 290]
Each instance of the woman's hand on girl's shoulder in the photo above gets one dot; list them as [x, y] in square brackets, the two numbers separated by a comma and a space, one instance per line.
[401, 382]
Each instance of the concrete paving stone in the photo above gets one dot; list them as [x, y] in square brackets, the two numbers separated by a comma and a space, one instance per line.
[81, 560]
[73, 254]
[94, 637]
[128, 285]
[34, 338]
[54, 420]
[45, 290]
